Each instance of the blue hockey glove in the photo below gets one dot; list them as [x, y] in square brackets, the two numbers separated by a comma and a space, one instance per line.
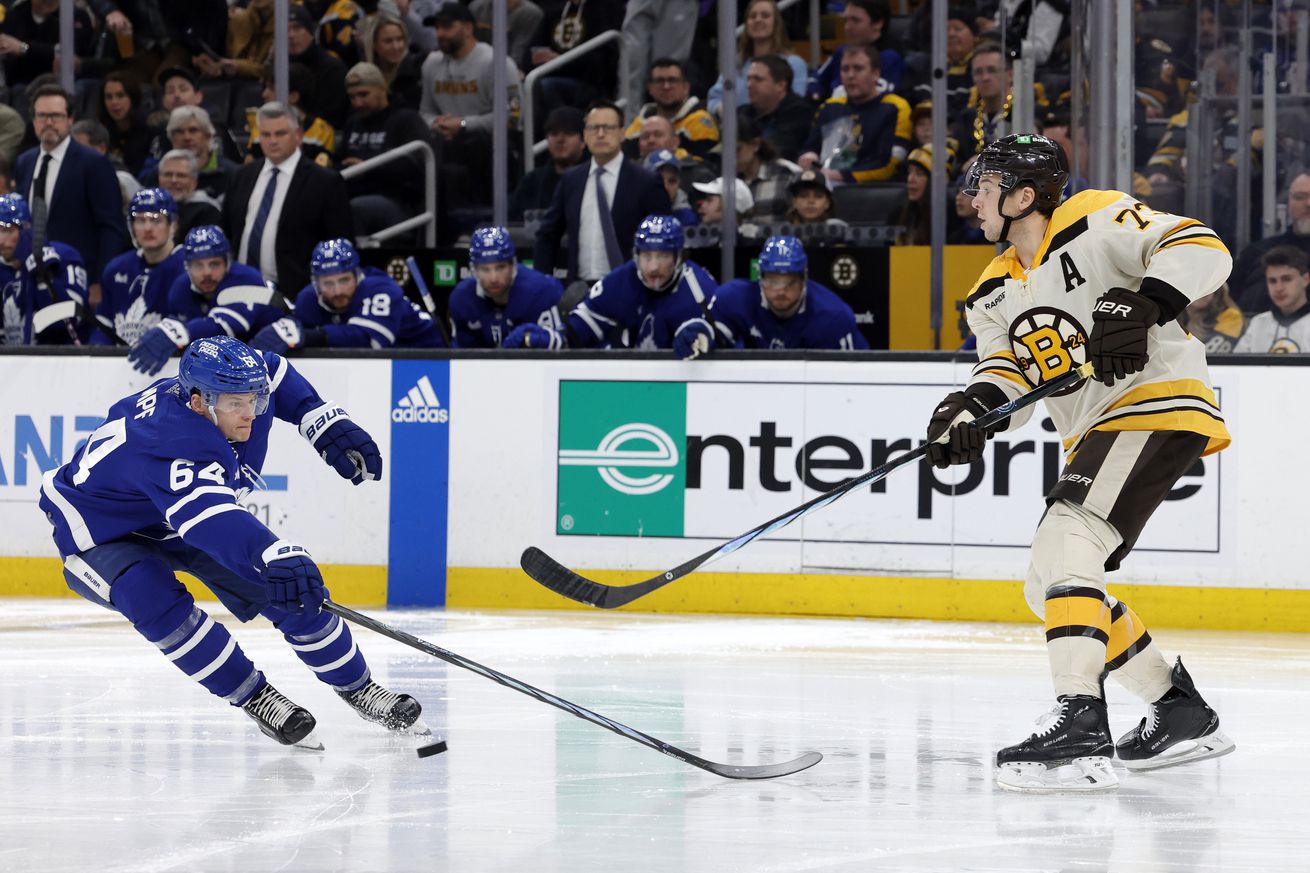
[292, 580]
[50, 261]
[346, 446]
[693, 339]
[157, 345]
[532, 336]
[280, 337]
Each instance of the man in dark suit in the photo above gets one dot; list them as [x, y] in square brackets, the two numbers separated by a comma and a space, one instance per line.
[599, 203]
[279, 207]
[72, 189]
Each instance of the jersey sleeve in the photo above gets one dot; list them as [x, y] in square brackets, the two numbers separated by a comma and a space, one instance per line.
[601, 315]
[732, 315]
[293, 397]
[379, 321]
[1183, 259]
[997, 364]
[460, 311]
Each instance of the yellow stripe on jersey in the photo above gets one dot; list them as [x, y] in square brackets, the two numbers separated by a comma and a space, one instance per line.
[1077, 611]
[1079, 206]
[1126, 631]
[1209, 242]
[1161, 390]
[1183, 225]
[1208, 425]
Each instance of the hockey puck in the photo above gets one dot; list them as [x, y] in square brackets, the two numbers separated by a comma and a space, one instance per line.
[432, 749]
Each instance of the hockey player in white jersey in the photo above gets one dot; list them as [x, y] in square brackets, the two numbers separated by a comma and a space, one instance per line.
[1099, 278]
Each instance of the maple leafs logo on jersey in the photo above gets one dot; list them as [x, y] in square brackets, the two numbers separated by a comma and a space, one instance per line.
[130, 325]
[13, 318]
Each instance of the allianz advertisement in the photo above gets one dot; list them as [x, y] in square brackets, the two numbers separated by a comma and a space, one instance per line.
[710, 460]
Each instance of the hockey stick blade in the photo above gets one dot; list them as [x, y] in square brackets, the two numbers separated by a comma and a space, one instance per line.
[553, 575]
[728, 771]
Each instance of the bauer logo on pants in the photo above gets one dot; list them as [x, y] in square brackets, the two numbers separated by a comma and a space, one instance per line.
[620, 464]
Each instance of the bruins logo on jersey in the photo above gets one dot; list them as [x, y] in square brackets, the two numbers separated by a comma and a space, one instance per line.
[1047, 343]
[1285, 346]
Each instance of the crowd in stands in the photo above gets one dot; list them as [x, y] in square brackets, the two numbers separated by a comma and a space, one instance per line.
[172, 127]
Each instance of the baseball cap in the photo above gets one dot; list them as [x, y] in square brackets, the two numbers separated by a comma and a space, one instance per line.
[366, 75]
[564, 119]
[179, 73]
[662, 158]
[809, 179]
[297, 14]
[452, 11]
[742, 191]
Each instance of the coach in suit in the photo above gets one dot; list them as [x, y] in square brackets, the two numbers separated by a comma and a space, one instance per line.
[72, 189]
[280, 206]
[598, 203]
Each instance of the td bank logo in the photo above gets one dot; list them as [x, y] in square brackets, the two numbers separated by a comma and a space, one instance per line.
[620, 464]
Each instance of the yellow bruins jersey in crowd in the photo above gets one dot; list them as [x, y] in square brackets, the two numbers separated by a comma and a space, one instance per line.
[1032, 325]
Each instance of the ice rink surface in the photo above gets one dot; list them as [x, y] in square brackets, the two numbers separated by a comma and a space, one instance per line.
[111, 760]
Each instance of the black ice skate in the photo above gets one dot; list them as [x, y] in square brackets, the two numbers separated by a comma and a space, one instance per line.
[1071, 752]
[395, 712]
[281, 719]
[1180, 728]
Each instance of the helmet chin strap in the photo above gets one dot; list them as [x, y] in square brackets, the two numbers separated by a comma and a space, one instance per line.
[1000, 210]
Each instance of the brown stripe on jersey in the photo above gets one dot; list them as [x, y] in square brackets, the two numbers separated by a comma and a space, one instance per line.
[1129, 653]
[1128, 636]
[1063, 238]
[1074, 630]
[987, 286]
[1191, 237]
[1076, 591]
[1089, 460]
[1184, 224]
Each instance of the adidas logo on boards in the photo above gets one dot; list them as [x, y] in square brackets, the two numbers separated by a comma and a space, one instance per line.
[420, 405]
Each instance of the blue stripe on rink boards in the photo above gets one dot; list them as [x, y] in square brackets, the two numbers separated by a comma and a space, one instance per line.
[418, 470]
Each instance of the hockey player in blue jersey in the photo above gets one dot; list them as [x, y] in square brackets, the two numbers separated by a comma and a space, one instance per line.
[658, 300]
[785, 309]
[156, 489]
[214, 297]
[135, 284]
[501, 295]
[43, 295]
[346, 307]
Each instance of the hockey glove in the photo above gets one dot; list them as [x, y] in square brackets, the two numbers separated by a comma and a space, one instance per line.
[292, 580]
[693, 339]
[532, 336]
[953, 438]
[286, 334]
[51, 263]
[157, 345]
[346, 446]
[1120, 321]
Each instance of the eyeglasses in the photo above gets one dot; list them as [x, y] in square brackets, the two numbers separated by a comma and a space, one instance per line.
[602, 128]
[49, 116]
[665, 82]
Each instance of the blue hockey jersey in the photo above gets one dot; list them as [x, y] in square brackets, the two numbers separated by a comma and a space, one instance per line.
[621, 312]
[21, 296]
[476, 322]
[823, 321]
[241, 305]
[158, 468]
[134, 295]
[379, 316]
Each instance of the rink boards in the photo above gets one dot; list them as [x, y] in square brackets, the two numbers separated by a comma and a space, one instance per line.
[622, 468]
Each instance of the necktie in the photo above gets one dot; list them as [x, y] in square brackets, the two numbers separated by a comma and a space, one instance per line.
[40, 209]
[261, 219]
[612, 253]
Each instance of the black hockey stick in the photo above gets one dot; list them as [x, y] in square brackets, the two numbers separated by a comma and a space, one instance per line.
[730, 771]
[560, 579]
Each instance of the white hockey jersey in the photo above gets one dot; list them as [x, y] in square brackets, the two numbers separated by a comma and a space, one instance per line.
[1274, 332]
[1032, 325]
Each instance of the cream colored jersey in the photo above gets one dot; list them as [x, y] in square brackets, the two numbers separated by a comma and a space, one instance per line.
[1032, 325]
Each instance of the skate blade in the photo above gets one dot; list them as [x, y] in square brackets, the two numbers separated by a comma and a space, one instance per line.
[1079, 776]
[418, 729]
[309, 743]
[1215, 745]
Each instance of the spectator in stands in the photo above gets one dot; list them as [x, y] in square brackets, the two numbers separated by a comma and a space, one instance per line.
[329, 73]
[710, 205]
[671, 98]
[764, 36]
[785, 309]
[500, 295]
[235, 74]
[189, 128]
[854, 137]
[1248, 277]
[313, 201]
[120, 113]
[811, 200]
[93, 134]
[1043, 26]
[72, 186]
[28, 36]
[988, 118]
[565, 149]
[656, 29]
[657, 134]
[566, 25]
[921, 122]
[12, 131]
[1286, 326]
[1215, 320]
[961, 38]
[784, 119]
[179, 175]
[180, 86]
[148, 34]
[866, 23]
[418, 16]
[320, 138]
[599, 204]
[522, 19]
[458, 105]
[666, 165]
[340, 29]
[389, 194]
[386, 45]
[767, 175]
[915, 217]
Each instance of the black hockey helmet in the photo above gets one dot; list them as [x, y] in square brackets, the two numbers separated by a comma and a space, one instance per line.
[1024, 159]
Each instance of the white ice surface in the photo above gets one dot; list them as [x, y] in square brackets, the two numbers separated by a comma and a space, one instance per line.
[110, 760]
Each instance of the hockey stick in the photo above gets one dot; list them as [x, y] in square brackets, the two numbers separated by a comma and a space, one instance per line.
[729, 771]
[422, 286]
[560, 579]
